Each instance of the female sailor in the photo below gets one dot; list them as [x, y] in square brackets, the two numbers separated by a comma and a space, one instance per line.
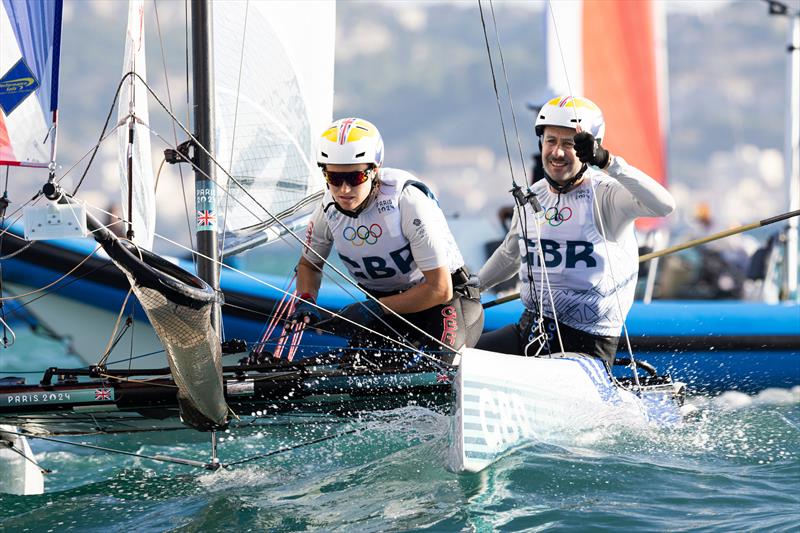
[390, 233]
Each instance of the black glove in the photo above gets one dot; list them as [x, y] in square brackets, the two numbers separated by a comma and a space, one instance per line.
[362, 312]
[304, 312]
[589, 151]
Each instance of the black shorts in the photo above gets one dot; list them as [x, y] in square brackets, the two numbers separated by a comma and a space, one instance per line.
[447, 328]
[524, 338]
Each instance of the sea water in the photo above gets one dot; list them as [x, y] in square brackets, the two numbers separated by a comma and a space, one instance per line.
[733, 466]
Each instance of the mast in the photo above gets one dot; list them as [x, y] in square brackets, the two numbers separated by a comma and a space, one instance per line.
[205, 190]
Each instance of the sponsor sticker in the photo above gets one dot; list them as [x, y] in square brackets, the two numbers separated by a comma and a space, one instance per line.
[16, 85]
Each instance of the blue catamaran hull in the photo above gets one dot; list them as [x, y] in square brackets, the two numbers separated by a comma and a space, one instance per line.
[711, 346]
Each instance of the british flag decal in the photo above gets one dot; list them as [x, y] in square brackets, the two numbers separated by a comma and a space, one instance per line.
[205, 206]
[206, 218]
[103, 395]
[344, 129]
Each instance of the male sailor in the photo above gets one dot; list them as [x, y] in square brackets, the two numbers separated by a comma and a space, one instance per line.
[393, 238]
[578, 289]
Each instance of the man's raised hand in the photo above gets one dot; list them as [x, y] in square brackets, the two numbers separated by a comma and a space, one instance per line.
[589, 151]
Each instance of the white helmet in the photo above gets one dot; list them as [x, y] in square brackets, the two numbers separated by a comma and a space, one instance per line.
[568, 112]
[350, 140]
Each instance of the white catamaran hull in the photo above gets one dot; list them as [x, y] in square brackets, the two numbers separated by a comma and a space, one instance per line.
[503, 401]
[18, 474]
[68, 318]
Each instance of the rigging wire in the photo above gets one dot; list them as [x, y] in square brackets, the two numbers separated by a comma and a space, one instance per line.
[42, 289]
[288, 230]
[508, 91]
[21, 453]
[103, 132]
[159, 458]
[174, 129]
[233, 133]
[129, 360]
[561, 55]
[633, 364]
[6, 327]
[112, 342]
[595, 206]
[520, 198]
[16, 216]
[187, 462]
[497, 95]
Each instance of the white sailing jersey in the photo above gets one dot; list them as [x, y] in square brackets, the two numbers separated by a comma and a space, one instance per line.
[386, 248]
[587, 274]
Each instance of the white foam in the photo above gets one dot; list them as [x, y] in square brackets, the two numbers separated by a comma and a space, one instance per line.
[776, 396]
[226, 479]
[731, 400]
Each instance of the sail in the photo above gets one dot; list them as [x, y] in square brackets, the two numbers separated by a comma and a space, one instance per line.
[614, 52]
[30, 40]
[134, 135]
[273, 83]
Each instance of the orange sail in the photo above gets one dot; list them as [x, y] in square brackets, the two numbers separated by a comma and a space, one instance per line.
[6, 150]
[616, 56]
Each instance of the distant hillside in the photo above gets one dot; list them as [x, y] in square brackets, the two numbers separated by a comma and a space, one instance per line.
[421, 73]
[726, 70]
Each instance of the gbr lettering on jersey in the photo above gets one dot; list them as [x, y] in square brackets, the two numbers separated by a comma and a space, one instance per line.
[373, 246]
[583, 271]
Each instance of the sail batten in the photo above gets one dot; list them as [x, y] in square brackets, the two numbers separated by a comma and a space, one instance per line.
[273, 95]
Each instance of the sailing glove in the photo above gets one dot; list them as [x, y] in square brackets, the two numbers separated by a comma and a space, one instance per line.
[362, 312]
[589, 151]
[305, 312]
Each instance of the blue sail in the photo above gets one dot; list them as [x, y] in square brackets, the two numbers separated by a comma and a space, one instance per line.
[30, 41]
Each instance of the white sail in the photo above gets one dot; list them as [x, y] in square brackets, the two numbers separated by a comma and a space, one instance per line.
[133, 114]
[273, 72]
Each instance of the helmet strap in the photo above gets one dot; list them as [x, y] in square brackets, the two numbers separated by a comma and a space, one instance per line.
[565, 187]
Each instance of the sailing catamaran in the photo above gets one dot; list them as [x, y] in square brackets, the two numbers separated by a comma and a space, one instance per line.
[715, 345]
[192, 387]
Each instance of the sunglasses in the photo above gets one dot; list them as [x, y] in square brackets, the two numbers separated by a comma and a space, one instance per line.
[353, 178]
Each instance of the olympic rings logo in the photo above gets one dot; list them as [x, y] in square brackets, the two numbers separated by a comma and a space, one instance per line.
[363, 234]
[556, 217]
